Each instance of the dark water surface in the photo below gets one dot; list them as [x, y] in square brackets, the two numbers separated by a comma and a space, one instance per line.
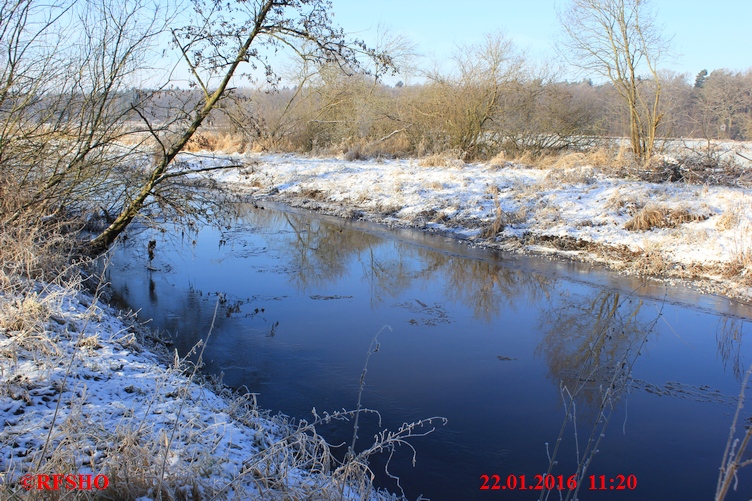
[519, 354]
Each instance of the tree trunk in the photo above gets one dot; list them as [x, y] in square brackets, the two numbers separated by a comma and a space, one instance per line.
[108, 236]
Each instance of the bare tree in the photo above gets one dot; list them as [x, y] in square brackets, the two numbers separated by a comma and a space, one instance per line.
[215, 44]
[724, 104]
[461, 105]
[618, 39]
[64, 104]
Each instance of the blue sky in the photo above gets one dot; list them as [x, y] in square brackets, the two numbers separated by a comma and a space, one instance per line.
[708, 34]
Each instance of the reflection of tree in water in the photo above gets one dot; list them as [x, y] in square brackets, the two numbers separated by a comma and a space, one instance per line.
[388, 277]
[482, 286]
[586, 339]
[590, 345]
[321, 251]
[487, 287]
[728, 335]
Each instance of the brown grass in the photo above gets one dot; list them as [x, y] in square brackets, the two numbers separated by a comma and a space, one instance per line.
[500, 160]
[729, 219]
[450, 158]
[740, 267]
[659, 216]
[218, 142]
[312, 193]
[612, 160]
[624, 203]
[575, 175]
[502, 218]
[650, 261]
[732, 217]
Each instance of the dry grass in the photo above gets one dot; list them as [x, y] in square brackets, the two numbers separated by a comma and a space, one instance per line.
[498, 222]
[546, 214]
[499, 160]
[312, 193]
[734, 215]
[660, 216]
[624, 203]
[651, 260]
[728, 220]
[30, 252]
[450, 158]
[502, 218]
[740, 266]
[392, 146]
[575, 175]
[219, 142]
[608, 159]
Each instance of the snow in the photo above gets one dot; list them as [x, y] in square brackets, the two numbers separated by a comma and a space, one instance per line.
[117, 395]
[580, 204]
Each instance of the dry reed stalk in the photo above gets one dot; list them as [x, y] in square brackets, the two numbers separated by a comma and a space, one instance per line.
[498, 224]
[733, 456]
[217, 142]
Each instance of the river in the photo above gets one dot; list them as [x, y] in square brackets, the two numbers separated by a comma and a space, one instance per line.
[539, 366]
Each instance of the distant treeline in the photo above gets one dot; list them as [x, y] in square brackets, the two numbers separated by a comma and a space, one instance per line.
[474, 114]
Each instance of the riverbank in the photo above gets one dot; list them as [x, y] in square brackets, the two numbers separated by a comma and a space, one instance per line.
[700, 235]
[94, 406]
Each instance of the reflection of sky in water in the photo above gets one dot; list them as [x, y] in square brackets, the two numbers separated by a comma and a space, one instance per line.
[483, 342]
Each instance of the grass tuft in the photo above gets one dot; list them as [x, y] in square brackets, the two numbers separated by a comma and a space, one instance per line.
[659, 216]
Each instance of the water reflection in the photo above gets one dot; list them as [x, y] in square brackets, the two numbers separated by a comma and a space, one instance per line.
[587, 340]
[729, 335]
[532, 367]
[319, 252]
[590, 344]
[489, 288]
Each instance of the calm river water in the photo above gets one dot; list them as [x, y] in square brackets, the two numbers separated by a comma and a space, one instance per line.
[531, 361]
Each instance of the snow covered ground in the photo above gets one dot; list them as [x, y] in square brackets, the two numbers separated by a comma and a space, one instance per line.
[81, 394]
[676, 230]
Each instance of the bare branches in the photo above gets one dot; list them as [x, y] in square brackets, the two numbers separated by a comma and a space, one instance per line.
[220, 39]
[618, 39]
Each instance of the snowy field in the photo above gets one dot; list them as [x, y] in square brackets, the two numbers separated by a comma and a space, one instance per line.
[668, 230]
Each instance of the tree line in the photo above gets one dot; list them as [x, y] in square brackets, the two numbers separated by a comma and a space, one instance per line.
[480, 113]
[93, 114]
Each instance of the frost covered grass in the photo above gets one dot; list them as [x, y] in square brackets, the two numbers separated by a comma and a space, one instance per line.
[85, 391]
[577, 207]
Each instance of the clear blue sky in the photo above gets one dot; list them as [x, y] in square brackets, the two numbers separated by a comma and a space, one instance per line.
[708, 34]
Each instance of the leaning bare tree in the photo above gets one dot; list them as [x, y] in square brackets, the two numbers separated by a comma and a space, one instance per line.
[618, 39]
[220, 38]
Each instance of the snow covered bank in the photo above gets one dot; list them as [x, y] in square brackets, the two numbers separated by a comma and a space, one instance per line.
[666, 230]
[81, 393]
